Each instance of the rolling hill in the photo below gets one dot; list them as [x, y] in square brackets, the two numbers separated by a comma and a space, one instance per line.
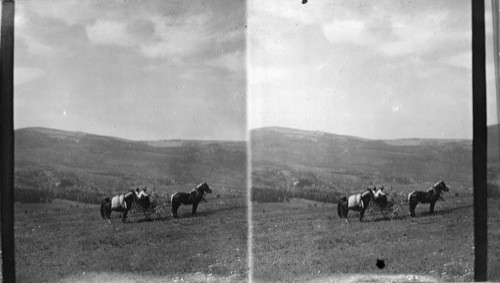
[67, 163]
[297, 160]
[49, 162]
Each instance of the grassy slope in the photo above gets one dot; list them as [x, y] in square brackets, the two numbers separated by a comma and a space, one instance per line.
[344, 163]
[56, 241]
[69, 240]
[49, 157]
[494, 240]
[494, 205]
[308, 243]
[111, 164]
[303, 242]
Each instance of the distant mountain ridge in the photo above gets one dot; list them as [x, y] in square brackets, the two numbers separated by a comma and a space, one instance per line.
[50, 159]
[282, 157]
[400, 141]
[46, 159]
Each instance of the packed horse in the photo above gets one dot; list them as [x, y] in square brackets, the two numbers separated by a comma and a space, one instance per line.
[360, 202]
[123, 203]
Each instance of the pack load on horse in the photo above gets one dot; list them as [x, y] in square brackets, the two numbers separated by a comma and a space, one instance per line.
[194, 197]
[356, 202]
[123, 203]
[379, 193]
[431, 196]
[360, 202]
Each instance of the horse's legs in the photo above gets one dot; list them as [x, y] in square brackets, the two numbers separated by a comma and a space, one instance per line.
[382, 211]
[195, 205]
[413, 205]
[345, 209]
[431, 209]
[412, 209]
[175, 206]
[361, 214]
[124, 215]
[107, 210]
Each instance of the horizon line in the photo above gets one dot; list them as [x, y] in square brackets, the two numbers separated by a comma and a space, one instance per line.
[361, 137]
[249, 130]
[128, 139]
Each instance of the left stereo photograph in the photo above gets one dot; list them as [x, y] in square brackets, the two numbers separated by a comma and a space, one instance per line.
[130, 141]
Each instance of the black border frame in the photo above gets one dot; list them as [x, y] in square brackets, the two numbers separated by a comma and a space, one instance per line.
[479, 141]
[7, 140]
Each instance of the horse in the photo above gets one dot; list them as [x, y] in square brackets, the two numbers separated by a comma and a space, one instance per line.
[431, 196]
[193, 197]
[380, 198]
[357, 202]
[123, 203]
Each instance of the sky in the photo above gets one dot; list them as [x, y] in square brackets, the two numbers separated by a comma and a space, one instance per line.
[140, 70]
[373, 69]
[150, 70]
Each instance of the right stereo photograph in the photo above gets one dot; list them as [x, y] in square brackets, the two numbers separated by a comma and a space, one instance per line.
[361, 137]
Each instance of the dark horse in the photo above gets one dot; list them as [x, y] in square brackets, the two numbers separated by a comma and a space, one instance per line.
[431, 196]
[123, 203]
[193, 197]
[357, 202]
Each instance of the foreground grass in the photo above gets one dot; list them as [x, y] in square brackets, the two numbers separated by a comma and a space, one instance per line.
[296, 241]
[305, 242]
[69, 241]
[494, 240]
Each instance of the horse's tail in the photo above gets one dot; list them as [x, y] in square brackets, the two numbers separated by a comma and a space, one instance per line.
[409, 195]
[340, 205]
[104, 202]
[172, 197]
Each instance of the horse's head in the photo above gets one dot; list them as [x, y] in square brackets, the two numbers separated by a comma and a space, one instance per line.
[142, 198]
[203, 188]
[141, 193]
[367, 196]
[441, 187]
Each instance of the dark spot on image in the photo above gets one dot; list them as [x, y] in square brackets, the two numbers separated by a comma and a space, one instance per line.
[380, 263]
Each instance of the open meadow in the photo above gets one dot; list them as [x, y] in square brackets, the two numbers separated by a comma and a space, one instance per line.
[68, 241]
[61, 178]
[298, 176]
[304, 240]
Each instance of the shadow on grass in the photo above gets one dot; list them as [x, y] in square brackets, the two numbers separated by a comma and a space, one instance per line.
[444, 211]
[379, 219]
[152, 219]
[209, 211]
[188, 215]
[425, 214]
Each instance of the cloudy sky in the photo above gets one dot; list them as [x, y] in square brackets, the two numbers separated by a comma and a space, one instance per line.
[375, 69]
[142, 70]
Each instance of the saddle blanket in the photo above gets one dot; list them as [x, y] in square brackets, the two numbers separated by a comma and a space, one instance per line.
[355, 201]
[118, 201]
